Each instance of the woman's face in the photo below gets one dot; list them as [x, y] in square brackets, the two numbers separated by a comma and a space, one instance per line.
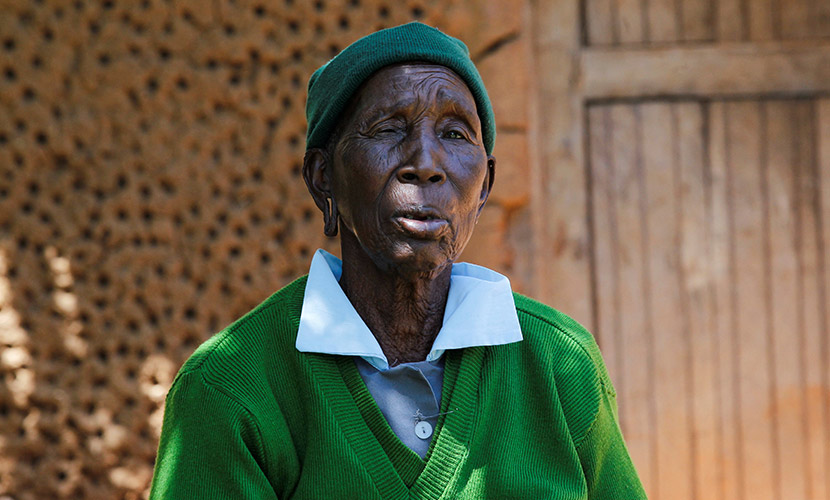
[410, 173]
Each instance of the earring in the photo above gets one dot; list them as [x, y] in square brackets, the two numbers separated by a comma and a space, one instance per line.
[330, 217]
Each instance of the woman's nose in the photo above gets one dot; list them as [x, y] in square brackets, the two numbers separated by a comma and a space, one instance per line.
[423, 161]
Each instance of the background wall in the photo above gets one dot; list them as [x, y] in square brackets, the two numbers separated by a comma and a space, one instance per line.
[150, 193]
[663, 177]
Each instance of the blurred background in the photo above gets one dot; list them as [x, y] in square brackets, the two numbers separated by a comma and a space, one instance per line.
[663, 177]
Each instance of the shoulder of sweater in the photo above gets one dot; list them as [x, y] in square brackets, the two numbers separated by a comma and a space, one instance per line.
[269, 326]
[565, 354]
[557, 331]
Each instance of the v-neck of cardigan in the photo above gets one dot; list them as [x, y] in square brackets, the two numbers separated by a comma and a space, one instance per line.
[397, 471]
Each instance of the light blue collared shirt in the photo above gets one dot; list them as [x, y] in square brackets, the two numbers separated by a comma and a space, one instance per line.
[480, 312]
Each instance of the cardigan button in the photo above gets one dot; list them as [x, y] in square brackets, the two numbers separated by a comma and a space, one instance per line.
[423, 429]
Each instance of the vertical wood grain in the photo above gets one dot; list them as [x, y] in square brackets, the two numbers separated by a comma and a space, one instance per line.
[749, 275]
[697, 20]
[795, 19]
[662, 21]
[761, 20]
[818, 401]
[670, 371]
[730, 21]
[812, 292]
[604, 243]
[820, 16]
[697, 275]
[559, 200]
[808, 234]
[599, 22]
[723, 382]
[782, 241]
[632, 288]
[729, 460]
[630, 18]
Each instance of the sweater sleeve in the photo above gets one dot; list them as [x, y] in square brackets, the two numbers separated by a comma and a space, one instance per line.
[609, 472]
[210, 446]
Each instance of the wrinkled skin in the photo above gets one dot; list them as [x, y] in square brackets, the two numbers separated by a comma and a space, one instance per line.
[408, 175]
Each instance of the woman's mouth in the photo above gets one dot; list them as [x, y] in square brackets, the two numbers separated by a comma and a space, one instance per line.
[422, 223]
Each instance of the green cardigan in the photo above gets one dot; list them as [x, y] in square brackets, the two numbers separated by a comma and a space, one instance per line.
[250, 417]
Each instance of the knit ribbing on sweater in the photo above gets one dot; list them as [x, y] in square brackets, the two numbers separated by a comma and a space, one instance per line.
[248, 416]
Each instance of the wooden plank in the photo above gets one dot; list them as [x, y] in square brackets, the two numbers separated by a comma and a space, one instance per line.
[698, 17]
[728, 461]
[716, 71]
[604, 245]
[750, 326]
[795, 20]
[697, 300]
[672, 427]
[761, 20]
[782, 240]
[814, 159]
[636, 394]
[820, 407]
[820, 15]
[662, 16]
[630, 20]
[559, 197]
[600, 23]
[731, 24]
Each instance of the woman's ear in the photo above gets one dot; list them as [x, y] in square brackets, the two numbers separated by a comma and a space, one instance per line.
[317, 179]
[487, 186]
[316, 176]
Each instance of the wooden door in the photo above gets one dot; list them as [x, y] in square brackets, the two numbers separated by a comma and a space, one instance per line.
[683, 198]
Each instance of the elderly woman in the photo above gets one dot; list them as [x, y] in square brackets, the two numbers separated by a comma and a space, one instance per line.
[396, 373]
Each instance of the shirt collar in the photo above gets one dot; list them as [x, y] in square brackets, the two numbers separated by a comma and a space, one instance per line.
[480, 311]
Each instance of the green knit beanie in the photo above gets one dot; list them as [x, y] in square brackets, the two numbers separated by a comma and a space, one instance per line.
[334, 83]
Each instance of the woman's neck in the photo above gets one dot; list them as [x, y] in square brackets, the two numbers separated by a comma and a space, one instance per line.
[403, 311]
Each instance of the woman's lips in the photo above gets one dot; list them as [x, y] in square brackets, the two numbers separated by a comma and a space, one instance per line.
[425, 229]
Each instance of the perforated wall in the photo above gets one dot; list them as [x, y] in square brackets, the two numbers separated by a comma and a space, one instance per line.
[150, 193]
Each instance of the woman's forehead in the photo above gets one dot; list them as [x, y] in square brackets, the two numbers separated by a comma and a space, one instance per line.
[403, 76]
[401, 83]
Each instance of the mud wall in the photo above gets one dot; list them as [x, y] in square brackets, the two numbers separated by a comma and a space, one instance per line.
[150, 193]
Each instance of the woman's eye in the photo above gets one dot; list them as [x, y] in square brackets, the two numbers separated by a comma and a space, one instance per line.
[453, 134]
[388, 128]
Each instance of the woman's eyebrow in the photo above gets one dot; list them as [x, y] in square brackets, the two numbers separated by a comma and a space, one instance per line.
[446, 99]
[462, 113]
[449, 98]
[378, 111]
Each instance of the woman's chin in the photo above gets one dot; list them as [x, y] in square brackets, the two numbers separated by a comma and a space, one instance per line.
[417, 258]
